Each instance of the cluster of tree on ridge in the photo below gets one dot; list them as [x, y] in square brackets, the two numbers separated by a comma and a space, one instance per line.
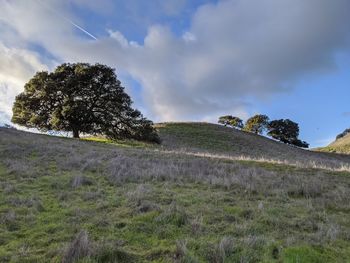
[283, 130]
[81, 98]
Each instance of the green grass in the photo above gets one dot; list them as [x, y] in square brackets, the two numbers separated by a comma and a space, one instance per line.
[344, 149]
[140, 205]
[44, 226]
[197, 135]
[218, 140]
[121, 143]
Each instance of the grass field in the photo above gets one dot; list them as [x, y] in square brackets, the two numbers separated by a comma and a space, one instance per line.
[67, 200]
[216, 140]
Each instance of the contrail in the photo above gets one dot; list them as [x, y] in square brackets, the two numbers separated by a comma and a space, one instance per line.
[79, 27]
[68, 20]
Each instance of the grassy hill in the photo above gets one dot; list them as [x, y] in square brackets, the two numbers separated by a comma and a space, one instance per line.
[217, 140]
[192, 199]
[341, 145]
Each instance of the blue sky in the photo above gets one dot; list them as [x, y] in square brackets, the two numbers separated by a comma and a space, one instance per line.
[194, 60]
[319, 103]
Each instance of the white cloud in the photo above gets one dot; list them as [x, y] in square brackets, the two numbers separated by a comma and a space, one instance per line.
[16, 67]
[119, 38]
[189, 37]
[232, 50]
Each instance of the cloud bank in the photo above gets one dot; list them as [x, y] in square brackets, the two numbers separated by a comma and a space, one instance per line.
[16, 67]
[232, 51]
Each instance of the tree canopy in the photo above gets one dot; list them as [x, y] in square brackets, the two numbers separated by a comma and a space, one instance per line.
[232, 121]
[283, 130]
[257, 124]
[81, 98]
[286, 131]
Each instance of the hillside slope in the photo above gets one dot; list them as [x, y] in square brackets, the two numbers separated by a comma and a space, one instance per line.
[219, 140]
[68, 200]
[341, 145]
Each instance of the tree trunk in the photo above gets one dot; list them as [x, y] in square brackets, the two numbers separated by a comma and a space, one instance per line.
[76, 133]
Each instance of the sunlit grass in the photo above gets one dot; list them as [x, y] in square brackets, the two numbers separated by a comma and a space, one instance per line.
[123, 143]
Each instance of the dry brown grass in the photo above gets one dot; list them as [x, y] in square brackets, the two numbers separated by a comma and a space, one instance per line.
[78, 249]
[21, 152]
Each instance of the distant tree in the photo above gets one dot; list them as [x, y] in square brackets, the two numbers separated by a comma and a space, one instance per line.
[257, 124]
[231, 121]
[81, 98]
[286, 131]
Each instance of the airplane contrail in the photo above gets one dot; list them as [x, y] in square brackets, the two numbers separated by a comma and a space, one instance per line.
[68, 20]
[79, 27]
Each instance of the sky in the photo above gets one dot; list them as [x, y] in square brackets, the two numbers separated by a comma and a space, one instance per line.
[183, 60]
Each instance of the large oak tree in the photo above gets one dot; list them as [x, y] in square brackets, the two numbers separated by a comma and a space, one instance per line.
[286, 131]
[81, 98]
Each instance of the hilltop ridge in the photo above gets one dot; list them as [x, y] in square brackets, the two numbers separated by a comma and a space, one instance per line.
[217, 139]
